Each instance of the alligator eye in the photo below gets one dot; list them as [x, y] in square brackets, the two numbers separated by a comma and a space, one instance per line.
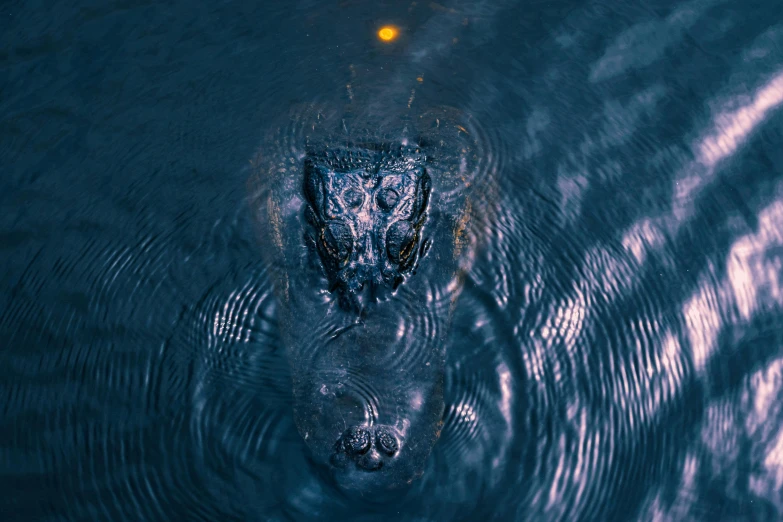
[387, 199]
[356, 441]
[386, 442]
[337, 240]
[353, 198]
[400, 239]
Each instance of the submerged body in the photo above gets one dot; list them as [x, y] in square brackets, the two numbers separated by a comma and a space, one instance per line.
[368, 236]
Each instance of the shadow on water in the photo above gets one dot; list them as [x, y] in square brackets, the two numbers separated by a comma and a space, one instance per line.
[615, 351]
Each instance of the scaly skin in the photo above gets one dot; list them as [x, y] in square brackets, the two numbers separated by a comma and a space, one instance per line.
[366, 208]
[368, 236]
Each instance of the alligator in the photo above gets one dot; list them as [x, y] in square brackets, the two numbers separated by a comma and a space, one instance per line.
[366, 227]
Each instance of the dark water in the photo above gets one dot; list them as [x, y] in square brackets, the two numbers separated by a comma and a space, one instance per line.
[617, 353]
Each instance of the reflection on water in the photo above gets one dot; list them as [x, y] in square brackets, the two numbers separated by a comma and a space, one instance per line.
[614, 354]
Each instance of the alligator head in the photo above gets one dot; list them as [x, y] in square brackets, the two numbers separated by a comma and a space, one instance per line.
[366, 207]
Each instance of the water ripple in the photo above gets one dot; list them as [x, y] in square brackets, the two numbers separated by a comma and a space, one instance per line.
[614, 350]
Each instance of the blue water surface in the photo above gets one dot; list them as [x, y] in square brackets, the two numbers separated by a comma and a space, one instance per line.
[617, 353]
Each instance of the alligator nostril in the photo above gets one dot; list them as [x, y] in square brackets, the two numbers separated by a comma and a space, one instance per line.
[386, 442]
[356, 440]
[366, 448]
